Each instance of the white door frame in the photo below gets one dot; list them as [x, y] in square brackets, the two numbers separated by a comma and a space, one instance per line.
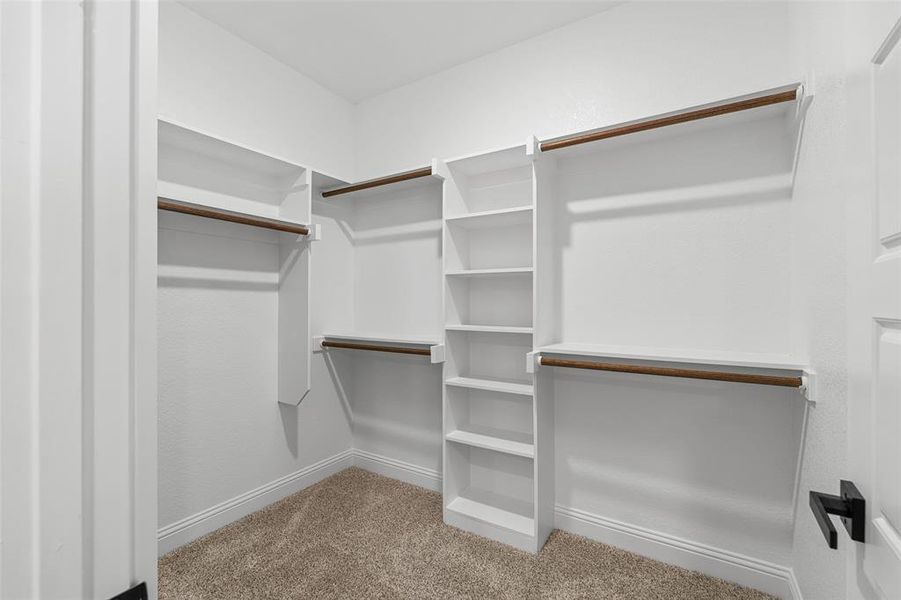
[77, 298]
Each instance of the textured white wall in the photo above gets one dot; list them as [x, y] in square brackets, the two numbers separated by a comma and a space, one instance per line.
[214, 82]
[634, 60]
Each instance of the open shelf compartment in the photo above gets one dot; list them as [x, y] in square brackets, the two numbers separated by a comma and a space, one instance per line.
[498, 357]
[208, 171]
[490, 303]
[491, 493]
[507, 246]
[498, 182]
[490, 419]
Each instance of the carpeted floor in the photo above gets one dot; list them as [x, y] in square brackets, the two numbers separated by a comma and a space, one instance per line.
[360, 535]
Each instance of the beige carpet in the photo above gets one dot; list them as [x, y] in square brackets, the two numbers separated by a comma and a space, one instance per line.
[360, 535]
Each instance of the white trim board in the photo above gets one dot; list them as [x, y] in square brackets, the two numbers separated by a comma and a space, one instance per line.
[398, 469]
[767, 577]
[206, 521]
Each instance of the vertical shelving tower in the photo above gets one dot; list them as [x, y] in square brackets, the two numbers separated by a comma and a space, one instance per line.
[492, 444]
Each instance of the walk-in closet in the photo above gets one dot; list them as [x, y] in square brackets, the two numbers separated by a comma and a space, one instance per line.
[506, 321]
[439, 300]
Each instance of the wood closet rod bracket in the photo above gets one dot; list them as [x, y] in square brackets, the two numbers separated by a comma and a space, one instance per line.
[804, 382]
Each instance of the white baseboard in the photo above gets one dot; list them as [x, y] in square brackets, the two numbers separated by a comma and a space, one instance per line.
[744, 570]
[795, 586]
[398, 469]
[188, 529]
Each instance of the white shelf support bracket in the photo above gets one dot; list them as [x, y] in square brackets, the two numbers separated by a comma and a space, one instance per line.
[437, 353]
[808, 387]
[315, 234]
[805, 95]
[317, 343]
[532, 147]
[439, 169]
[533, 360]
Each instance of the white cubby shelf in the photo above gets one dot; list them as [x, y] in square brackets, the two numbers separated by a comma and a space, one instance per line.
[503, 217]
[490, 329]
[502, 272]
[491, 385]
[491, 513]
[497, 440]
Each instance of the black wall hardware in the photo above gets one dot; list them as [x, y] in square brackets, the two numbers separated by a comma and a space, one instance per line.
[850, 506]
[138, 592]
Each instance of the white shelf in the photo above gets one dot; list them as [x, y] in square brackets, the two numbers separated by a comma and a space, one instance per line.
[412, 340]
[494, 515]
[491, 385]
[197, 168]
[490, 329]
[490, 272]
[668, 355]
[504, 217]
[389, 184]
[508, 442]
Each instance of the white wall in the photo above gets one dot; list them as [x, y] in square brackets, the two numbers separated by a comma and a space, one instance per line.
[634, 60]
[214, 82]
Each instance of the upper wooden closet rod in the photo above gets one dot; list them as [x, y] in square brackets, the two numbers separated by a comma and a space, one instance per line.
[227, 215]
[365, 185]
[672, 119]
[376, 348]
[776, 380]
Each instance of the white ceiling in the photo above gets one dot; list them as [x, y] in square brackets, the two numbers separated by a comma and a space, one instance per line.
[363, 48]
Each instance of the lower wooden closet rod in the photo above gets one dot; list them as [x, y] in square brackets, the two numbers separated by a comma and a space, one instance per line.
[777, 380]
[376, 348]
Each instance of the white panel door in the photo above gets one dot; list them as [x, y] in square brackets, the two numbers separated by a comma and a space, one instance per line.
[877, 564]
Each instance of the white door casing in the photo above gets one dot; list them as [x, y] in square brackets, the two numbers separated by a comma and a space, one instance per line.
[77, 298]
